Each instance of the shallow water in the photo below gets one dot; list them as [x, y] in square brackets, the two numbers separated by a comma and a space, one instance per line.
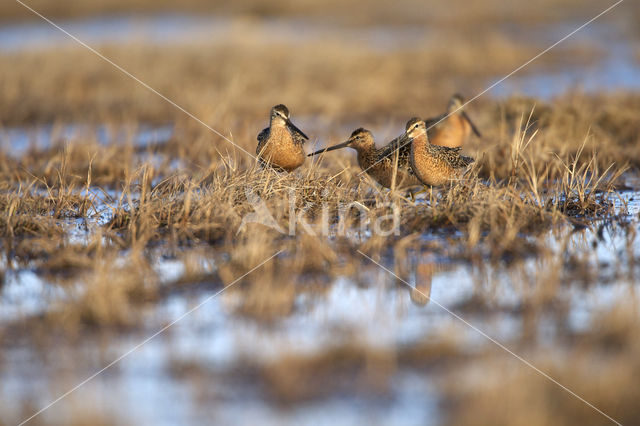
[380, 314]
[160, 29]
[187, 29]
[616, 68]
[15, 141]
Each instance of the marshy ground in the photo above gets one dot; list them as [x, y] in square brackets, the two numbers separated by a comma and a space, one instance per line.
[119, 214]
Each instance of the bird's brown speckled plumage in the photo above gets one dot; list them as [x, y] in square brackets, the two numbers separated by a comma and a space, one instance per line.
[280, 146]
[432, 164]
[378, 163]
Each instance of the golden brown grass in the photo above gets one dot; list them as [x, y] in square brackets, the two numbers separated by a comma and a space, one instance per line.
[82, 411]
[359, 12]
[544, 169]
[180, 211]
[339, 79]
[499, 220]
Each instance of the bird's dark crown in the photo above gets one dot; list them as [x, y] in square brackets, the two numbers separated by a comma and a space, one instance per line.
[412, 122]
[282, 109]
[358, 131]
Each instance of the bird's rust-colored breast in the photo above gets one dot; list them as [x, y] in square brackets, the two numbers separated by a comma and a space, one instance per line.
[281, 151]
[452, 133]
[428, 166]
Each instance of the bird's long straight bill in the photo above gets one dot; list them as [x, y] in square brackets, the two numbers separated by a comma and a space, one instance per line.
[294, 127]
[331, 148]
[473, 126]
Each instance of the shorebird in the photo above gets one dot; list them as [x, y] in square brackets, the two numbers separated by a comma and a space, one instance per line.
[432, 164]
[379, 166]
[280, 144]
[452, 128]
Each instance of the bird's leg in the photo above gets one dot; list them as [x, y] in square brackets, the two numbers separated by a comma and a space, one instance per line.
[422, 191]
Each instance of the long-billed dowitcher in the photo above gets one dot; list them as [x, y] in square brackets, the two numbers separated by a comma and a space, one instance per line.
[378, 166]
[280, 144]
[432, 164]
[452, 128]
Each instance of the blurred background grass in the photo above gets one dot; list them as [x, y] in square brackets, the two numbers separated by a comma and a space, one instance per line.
[376, 12]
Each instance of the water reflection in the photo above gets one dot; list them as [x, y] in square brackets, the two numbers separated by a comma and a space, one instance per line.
[217, 340]
[15, 141]
[421, 291]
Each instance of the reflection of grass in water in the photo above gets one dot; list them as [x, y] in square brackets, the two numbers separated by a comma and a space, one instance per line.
[601, 366]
